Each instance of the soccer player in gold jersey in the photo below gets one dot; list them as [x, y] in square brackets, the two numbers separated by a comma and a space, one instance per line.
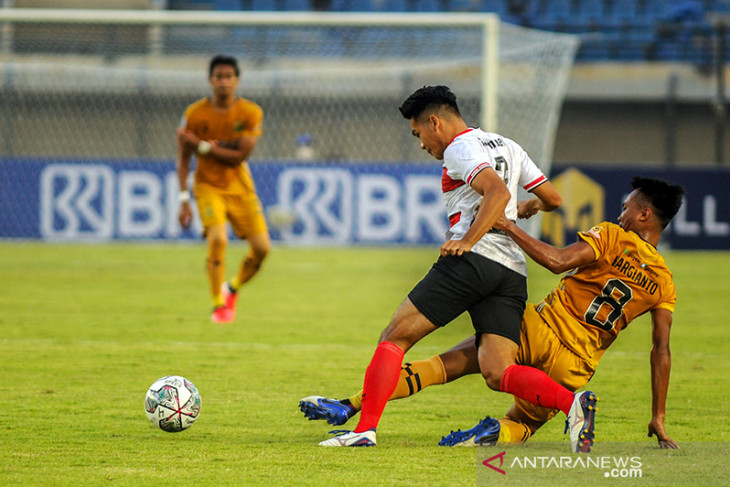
[615, 274]
[222, 131]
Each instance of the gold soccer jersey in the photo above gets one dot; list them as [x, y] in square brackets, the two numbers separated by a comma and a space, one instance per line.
[225, 127]
[593, 303]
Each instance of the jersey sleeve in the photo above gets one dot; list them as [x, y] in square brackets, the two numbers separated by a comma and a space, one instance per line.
[671, 300]
[598, 237]
[463, 160]
[190, 116]
[530, 175]
[253, 120]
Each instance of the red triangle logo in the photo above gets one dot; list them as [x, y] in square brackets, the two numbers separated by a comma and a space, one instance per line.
[487, 463]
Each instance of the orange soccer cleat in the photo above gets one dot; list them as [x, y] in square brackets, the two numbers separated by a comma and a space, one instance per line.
[222, 314]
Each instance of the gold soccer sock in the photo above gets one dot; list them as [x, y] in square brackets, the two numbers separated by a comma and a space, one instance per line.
[216, 275]
[512, 432]
[234, 283]
[246, 270]
[414, 376]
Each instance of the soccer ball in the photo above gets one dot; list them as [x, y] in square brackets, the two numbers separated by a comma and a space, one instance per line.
[172, 403]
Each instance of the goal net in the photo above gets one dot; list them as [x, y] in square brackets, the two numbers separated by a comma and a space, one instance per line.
[112, 85]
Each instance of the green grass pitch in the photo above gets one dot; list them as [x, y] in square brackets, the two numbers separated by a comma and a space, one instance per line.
[85, 329]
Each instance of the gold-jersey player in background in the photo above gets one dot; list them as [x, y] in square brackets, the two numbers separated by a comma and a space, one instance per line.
[615, 274]
[222, 131]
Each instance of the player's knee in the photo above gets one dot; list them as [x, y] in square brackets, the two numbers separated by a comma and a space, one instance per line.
[217, 240]
[493, 378]
[260, 252]
[397, 337]
[260, 248]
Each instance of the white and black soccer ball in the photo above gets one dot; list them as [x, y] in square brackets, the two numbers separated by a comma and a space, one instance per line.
[172, 403]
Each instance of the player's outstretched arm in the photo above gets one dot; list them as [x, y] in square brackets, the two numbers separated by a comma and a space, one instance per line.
[661, 359]
[552, 258]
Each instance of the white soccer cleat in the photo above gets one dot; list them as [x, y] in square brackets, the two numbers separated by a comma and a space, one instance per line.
[350, 438]
[581, 422]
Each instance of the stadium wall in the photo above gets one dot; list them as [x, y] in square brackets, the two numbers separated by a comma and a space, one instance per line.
[315, 204]
[642, 114]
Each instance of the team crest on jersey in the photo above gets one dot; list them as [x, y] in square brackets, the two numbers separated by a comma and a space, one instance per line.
[238, 126]
[594, 232]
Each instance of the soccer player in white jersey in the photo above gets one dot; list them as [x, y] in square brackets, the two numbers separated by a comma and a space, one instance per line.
[479, 270]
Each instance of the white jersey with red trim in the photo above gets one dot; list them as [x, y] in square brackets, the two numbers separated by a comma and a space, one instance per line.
[469, 153]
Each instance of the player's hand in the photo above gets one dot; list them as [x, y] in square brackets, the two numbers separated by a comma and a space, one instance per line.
[185, 216]
[656, 427]
[187, 139]
[455, 247]
[528, 208]
[502, 223]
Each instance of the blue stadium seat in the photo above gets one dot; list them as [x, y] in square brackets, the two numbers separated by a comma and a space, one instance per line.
[591, 10]
[266, 5]
[464, 5]
[228, 5]
[556, 16]
[393, 6]
[340, 6]
[498, 7]
[558, 8]
[297, 5]
[428, 5]
[622, 12]
[656, 8]
[191, 4]
[359, 6]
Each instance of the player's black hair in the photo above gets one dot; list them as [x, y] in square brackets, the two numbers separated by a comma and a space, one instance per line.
[428, 97]
[665, 197]
[223, 59]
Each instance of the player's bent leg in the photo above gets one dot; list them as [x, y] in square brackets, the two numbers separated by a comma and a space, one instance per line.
[250, 265]
[407, 327]
[513, 432]
[496, 353]
[260, 246]
[522, 421]
[461, 360]
[217, 240]
[414, 377]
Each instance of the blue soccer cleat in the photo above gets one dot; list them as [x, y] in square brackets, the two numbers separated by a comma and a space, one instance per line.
[331, 410]
[486, 433]
[581, 422]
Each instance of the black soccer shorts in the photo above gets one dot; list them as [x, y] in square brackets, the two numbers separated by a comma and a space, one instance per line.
[493, 295]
